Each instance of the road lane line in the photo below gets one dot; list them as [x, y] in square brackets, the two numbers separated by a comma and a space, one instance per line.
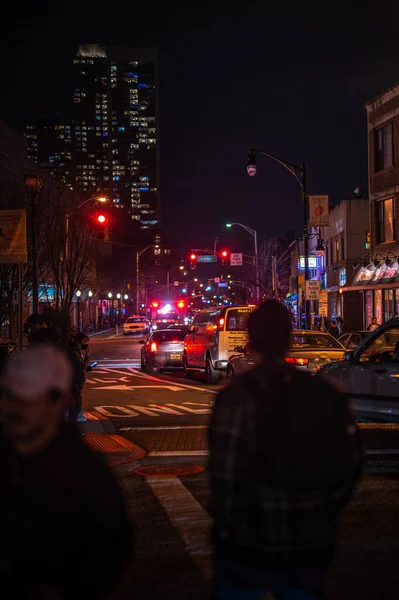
[188, 517]
[183, 385]
[178, 453]
[163, 427]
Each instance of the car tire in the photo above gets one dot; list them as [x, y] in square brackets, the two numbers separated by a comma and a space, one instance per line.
[186, 371]
[212, 376]
[230, 373]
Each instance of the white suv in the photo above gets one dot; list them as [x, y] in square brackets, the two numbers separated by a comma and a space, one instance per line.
[369, 375]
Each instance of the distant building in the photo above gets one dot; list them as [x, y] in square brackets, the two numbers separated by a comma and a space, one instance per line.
[379, 278]
[111, 144]
[344, 248]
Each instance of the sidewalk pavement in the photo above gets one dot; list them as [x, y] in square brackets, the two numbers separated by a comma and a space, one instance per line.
[103, 333]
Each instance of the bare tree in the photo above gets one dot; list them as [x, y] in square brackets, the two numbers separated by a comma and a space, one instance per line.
[277, 247]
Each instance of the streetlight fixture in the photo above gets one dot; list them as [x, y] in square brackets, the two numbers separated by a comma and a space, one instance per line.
[138, 254]
[34, 184]
[299, 172]
[78, 295]
[90, 295]
[126, 297]
[255, 236]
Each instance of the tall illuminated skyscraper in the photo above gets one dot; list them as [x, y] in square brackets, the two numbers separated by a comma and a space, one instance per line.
[114, 130]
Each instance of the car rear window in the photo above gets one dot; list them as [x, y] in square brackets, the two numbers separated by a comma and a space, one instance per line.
[313, 340]
[135, 320]
[237, 319]
[168, 336]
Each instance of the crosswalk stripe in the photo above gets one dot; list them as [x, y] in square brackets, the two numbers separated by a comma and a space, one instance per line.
[187, 516]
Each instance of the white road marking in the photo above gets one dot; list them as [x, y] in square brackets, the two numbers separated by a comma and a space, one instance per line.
[172, 388]
[153, 410]
[163, 427]
[178, 453]
[198, 411]
[142, 375]
[188, 517]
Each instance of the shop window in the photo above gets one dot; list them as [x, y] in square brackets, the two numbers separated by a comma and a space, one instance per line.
[385, 221]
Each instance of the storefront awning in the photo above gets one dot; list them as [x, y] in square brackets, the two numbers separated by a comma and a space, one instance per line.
[373, 278]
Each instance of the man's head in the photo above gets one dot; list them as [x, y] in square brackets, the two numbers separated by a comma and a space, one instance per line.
[374, 320]
[33, 323]
[36, 386]
[82, 340]
[269, 328]
[333, 323]
[46, 335]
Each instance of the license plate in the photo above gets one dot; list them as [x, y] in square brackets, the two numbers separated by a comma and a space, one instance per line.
[175, 356]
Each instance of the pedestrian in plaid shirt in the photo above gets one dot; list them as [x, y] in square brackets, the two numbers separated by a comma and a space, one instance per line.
[284, 458]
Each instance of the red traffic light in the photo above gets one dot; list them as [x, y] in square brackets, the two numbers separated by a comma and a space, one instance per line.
[101, 219]
[155, 304]
[193, 260]
[180, 304]
[225, 257]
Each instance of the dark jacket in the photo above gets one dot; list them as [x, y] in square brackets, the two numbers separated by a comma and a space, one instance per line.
[62, 516]
[334, 331]
[284, 459]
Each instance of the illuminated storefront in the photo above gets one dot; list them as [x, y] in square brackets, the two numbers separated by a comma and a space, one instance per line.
[379, 286]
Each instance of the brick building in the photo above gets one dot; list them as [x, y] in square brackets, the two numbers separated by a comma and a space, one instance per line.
[378, 277]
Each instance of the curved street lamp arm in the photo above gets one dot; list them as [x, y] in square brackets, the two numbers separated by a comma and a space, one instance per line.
[248, 229]
[291, 168]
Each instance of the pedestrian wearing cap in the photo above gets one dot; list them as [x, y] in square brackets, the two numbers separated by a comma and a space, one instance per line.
[50, 478]
[284, 459]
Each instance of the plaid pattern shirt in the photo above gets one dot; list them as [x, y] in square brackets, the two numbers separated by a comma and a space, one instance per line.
[256, 520]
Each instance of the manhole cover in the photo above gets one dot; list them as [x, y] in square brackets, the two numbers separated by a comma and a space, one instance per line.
[168, 470]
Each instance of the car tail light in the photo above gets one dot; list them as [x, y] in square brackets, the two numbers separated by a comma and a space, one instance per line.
[296, 361]
[175, 341]
[153, 347]
[221, 324]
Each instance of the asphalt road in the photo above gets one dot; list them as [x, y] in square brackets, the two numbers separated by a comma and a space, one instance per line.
[163, 413]
[167, 415]
[168, 412]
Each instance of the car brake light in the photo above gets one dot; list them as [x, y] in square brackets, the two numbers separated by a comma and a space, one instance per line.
[221, 324]
[296, 361]
[153, 347]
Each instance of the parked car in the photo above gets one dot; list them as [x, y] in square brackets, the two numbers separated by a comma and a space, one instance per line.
[308, 351]
[369, 375]
[163, 350]
[136, 324]
[351, 339]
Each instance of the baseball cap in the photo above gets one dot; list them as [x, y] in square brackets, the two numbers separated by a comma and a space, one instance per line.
[38, 370]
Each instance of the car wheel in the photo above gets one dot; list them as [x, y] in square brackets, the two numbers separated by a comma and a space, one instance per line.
[212, 376]
[186, 371]
[230, 372]
[149, 367]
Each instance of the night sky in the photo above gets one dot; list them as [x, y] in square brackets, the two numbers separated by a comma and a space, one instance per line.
[290, 79]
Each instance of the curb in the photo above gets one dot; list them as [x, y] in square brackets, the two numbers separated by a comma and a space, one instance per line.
[103, 332]
[100, 435]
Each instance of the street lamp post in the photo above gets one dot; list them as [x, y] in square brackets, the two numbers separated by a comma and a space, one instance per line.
[118, 296]
[111, 312]
[34, 184]
[181, 267]
[255, 236]
[102, 200]
[78, 295]
[90, 294]
[138, 254]
[299, 172]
